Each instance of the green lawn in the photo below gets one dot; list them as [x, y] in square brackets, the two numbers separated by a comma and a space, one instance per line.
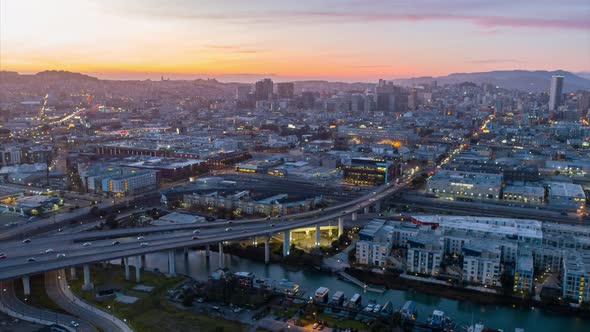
[152, 312]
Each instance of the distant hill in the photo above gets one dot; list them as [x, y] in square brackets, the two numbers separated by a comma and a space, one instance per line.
[534, 81]
[11, 77]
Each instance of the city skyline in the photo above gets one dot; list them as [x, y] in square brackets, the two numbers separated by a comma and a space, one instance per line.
[347, 41]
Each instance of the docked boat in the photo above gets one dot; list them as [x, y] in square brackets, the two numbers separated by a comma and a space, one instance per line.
[409, 311]
[438, 320]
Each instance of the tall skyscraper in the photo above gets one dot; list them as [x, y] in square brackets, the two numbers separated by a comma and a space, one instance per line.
[556, 92]
[386, 94]
[285, 90]
[242, 93]
[264, 89]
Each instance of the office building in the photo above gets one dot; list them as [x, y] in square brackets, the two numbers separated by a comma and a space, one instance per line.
[370, 171]
[556, 92]
[134, 182]
[465, 186]
[264, 89]
[285, 90]
[242, 93]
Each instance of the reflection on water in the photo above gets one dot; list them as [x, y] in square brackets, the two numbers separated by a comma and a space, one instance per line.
[199, 267]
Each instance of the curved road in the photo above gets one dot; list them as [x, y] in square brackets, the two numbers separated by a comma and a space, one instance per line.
[47, 317]
[78, 254]
[55, 285]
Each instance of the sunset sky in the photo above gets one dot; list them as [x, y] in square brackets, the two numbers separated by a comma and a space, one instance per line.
[328, 39]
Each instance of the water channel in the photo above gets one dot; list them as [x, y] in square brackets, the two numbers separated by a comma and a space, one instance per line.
[507, 318]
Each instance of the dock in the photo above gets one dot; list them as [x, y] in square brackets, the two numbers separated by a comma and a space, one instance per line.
[361, 284]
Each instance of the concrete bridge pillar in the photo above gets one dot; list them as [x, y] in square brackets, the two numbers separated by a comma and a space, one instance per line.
[366, 210]
[317, 236]
[341, 224]
[286, 243]
[87, 284]
[185, 252]
[378, 207]
[354, 216]
[207, 251]
[171, 263]
[26, 286]
[126, 263]
[138, 271]
[221, 258]
[266, 249]
[73, 274]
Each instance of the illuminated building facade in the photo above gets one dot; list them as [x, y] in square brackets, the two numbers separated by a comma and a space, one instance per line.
[370, 171]
[465, 186]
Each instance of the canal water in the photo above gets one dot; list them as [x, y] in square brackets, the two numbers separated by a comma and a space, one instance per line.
[501, 317]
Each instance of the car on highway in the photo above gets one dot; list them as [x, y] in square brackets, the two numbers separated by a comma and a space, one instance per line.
[196, 231]
[139, 238]
[74, 323]
[267, 218]
[229, 222]
[87, 244]
[244, 231]
[3, 255]
[26, 240]
[32, 259]
[272, 225]
[48, 251]
[228, 229]
[60, 255]
[195, 237]
[115, 242]
[143, 244]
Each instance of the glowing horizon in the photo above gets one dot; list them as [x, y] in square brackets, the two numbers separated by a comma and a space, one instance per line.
[330, 39]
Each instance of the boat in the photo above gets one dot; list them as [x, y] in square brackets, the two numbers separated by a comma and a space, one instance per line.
[370, 306]
[409, 311]
[479, 327]
[438, 320]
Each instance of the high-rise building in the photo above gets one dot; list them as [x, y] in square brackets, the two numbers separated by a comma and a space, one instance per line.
[413, 99]
[242, 93]
[584, 102]
[264, 89]
[285, 90]
[307, 99]
[556, 92]
[386, 97]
